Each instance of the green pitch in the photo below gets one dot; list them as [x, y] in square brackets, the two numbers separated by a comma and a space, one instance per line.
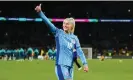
[44, 70]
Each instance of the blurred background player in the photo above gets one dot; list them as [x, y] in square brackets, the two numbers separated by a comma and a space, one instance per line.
[3, 52]
[0, 54]
[25, 54]
[21, 54]
[42, 54]
[8, 52]
[11, 54]
[53, 53]
[50, 53]
[46, 57]
[102, 58]
[16, 54]
[36, 53]
[29, 53]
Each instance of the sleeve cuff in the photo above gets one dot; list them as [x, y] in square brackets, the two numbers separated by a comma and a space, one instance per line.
[85, 64]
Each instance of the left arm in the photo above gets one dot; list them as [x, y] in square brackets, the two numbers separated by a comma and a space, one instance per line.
[81, 55]
[80, 52]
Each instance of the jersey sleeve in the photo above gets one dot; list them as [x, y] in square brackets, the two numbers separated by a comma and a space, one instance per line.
[53, 29]
[80, 52]
[77, 45]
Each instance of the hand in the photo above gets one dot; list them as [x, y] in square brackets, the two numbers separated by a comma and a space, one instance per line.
[86, 68]
[38, 8]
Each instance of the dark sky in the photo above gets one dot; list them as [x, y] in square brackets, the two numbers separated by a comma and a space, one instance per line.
[88, 33]
[78, 9]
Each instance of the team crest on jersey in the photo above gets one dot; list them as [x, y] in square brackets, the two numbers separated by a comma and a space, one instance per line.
[73, 41]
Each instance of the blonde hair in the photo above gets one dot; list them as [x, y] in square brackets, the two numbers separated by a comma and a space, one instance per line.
[72, 21]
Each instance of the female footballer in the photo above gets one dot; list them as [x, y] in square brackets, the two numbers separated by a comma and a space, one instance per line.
[65, 41]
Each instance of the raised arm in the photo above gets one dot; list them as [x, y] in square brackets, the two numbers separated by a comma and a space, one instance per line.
[81, 55]
[45, 19]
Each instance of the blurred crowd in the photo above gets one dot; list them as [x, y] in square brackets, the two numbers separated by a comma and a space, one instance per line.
[21, 54]
[113, 52]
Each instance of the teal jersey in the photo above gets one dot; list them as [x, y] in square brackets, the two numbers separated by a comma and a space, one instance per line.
[54, 52]
[36, 51]
[11, 51]
[21, 50]
[8, 52]
[29, 51]
[50, 51]
[0, 52]
[3, 51]
[14, 51]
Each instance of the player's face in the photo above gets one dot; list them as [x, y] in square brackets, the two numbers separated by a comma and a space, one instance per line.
[67, 26]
